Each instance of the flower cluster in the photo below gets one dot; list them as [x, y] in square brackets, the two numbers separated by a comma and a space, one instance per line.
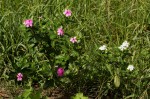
[124, 46]
[60, 32]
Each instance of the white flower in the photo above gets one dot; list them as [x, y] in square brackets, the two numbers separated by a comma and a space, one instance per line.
[124, 46]
[121, 48]
[102, 48]
[130, 67]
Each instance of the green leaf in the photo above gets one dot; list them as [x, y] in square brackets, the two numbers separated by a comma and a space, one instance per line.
[36, 95]
[74, 53]
[52, 36]
[79, 96]
[65, 80]
[109, 69]
[130, 96]
[27, 93]
[116, 81]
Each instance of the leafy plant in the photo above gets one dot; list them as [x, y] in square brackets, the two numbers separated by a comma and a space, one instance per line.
[79, 96]
[42, 44]
[30, 93]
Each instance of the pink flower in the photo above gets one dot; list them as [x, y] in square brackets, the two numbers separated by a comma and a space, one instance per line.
[60, 31]
[73, 40]
[19, 76]
[67, 13]
[60, 71]
[28, 23]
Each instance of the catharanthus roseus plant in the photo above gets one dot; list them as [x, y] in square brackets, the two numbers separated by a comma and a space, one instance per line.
[48, 46]
[102, 46]
[115, 62]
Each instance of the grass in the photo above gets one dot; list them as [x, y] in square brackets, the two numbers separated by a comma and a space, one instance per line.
[100, 21]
